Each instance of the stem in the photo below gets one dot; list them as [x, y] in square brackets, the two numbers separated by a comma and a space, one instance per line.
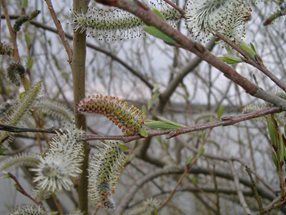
[13, 34]
[61, 32]
[150, 18]
[20, 188]
[78, 72]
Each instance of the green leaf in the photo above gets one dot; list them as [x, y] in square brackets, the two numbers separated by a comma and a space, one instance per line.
[162, 124]
[154, 97]
[123, 147]
[159, 34]
[253, 47]
[220, 111]
[272, 130]
[144, 109]
[158, 13]
[2, 150]
[275, 160]
[230, 59]
[29, 63]
[281, 148]
[171, 122]
[194, 180]
[24, 3]
[143, 132]
[201, 151]
[190, 160]
[27, 39]
[248, 50]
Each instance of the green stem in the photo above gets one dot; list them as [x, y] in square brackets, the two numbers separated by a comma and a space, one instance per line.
[78, 72]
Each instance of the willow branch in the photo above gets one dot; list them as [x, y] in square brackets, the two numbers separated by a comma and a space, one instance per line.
[225, 121]
[172, 86]
[175, 171]
[15, 129]
[256, 195]
[13, 33]
[96, 48]
[269, 20]
[148, 17]
[239, 191]
[257, 63]
[172, 4]
[61, 32]
[78, 74]
[20, 188]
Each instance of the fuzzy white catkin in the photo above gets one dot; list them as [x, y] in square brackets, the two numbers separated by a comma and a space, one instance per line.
[227, 17]
[62, 162]
[111, 24]
[28, 210]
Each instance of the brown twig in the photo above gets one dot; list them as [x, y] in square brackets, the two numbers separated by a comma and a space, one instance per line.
[60, 30]
[258, 63]
[226, 121]
[254, 189]
[13, 34]
[15, 129]
[170, 196]
[147, 16]
[276, 203]
[58, 204]
[186, 172]
[127, 198]
[277, 14]
[172, 4]
[239, 191]
[217, 202]
[21, 189]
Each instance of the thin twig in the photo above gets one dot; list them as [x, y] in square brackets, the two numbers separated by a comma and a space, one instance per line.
[269, 20]
[58, 204]
[13, 34]
[60, 30]
[257, 63]
[20, 188]
[172, 4]
[216, 192]
[276, 203]
[127, 198]
[15, 129]
[99, 49]
[170, 196]
[256, 195]
[186, 172]
[225, 121]
[238, 189]
[147, 16]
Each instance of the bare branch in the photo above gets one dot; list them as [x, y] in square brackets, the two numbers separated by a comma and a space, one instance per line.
[60, 30]
[238, 189]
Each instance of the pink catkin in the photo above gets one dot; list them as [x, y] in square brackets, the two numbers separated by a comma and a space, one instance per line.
[128, 118]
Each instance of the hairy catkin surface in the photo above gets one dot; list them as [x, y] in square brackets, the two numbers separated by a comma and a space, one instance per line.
[127, 117]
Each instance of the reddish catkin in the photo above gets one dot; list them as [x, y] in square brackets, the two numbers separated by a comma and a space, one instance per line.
[127, 117]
